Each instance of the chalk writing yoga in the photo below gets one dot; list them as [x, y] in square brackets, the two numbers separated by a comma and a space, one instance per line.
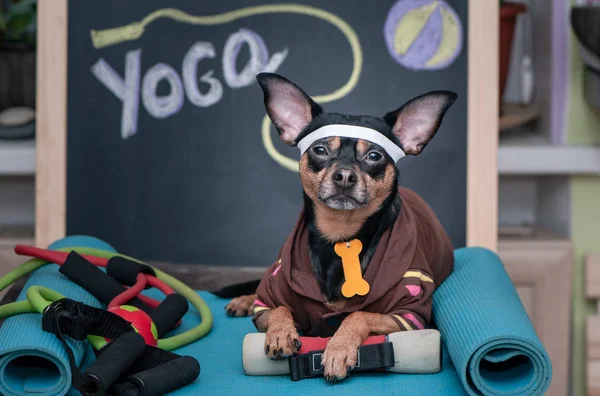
[127, 88]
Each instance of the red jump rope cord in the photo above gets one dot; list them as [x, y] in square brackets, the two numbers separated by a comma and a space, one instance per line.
[160, 285]
[132, 292]
[135, 291]
[60, 257]
[55, 256]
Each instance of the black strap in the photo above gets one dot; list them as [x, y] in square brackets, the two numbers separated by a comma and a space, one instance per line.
[375, 356]
[304, 366]
[370, 357]
[77, 320]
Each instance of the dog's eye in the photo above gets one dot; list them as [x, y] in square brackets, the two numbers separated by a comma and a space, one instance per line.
[374, 156]
[319, 150]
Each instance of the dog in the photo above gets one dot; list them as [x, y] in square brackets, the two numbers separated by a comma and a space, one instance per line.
[352, 200]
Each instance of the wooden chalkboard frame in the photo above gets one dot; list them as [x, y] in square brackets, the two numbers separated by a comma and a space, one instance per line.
[482, 123]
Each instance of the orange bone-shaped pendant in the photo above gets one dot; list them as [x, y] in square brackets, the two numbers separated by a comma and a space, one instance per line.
[354, 282]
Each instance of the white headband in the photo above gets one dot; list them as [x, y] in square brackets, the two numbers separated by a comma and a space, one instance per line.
[352, 131]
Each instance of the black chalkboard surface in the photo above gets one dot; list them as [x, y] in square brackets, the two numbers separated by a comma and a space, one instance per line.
[166, 155]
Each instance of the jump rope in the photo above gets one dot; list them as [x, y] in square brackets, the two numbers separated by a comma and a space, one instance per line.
[120, 286]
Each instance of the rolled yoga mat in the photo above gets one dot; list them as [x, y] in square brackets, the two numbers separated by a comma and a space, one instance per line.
[490, 338]
[32, 361]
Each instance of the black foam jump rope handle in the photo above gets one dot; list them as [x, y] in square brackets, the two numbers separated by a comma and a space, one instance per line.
[167, 377]
[95, 281]
[114, 361]
[125, 271]
[168, 313]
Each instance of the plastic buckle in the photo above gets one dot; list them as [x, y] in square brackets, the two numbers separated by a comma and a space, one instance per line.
[65, 316]
[315, 367]
[56, 306]
[53, 312]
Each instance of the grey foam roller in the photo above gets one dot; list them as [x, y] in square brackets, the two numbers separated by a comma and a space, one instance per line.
[416, 351]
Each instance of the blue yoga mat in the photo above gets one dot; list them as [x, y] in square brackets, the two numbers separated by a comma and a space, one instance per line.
[220, 356]
[490, 338]
[33, 362]
[490, 346]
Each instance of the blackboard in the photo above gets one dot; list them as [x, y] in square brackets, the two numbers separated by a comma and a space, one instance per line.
[182, 176]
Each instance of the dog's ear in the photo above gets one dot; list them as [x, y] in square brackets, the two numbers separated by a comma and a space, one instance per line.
[417, 121]
[287, 105]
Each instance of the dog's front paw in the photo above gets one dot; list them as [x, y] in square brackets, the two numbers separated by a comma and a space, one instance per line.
[281, 342]
[339, 358]
[240, 306]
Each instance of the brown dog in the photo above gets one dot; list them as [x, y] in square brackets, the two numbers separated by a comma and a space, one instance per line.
[365, 255]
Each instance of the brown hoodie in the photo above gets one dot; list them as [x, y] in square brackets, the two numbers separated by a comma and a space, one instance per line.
[413, 257]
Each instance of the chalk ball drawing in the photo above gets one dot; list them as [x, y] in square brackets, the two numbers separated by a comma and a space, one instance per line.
[423, 34]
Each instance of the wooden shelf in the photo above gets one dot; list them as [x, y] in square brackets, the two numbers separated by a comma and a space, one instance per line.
[515, 115]
[547, 159]
[9, 237]
[17, 157]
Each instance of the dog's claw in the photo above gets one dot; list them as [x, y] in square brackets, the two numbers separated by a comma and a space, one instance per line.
[240, 306]
[331, 379]
[339, 354]
[267, 350]
[277, 354]
[297, 344]
[281, 342]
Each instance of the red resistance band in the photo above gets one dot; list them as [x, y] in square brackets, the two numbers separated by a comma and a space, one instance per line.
[142, 280]
[310, 344]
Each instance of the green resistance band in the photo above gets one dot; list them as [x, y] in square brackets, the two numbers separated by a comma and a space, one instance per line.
[39, 297]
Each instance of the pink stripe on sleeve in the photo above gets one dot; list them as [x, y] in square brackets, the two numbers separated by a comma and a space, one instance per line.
[276, 270]
[414, 290]
[412, 318]
[260, 303]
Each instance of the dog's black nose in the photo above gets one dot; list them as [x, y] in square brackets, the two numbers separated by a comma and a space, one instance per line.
[344, 178]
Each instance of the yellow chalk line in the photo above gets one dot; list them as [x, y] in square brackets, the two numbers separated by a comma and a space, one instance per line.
[134, 30]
